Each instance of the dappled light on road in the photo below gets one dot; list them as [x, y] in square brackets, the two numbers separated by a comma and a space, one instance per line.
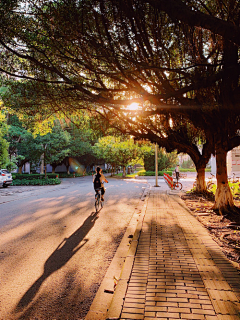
[54, 252]
[63, 253]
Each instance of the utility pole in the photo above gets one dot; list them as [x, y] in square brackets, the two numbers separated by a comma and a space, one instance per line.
[156, 164]
[42, 164]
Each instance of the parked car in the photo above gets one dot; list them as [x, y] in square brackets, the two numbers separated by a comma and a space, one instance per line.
[5, 178]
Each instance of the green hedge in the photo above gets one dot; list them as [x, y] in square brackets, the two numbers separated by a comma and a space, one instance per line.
[190, 170]
[33, 176]
[160, 173]
[152, 173]
[66, 175]
[35, 182]
[193, 170]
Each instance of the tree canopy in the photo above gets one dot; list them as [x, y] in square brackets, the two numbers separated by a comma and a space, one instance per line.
[103, 55]
[110, 52]
[171, 57]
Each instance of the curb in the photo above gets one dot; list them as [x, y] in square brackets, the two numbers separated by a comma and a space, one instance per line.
[109, 299]
[148, 177]
[116, 305]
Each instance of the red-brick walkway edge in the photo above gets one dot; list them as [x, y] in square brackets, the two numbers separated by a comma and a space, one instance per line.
[174, 269]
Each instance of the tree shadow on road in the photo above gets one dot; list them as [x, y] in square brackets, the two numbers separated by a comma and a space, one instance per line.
[63, 253]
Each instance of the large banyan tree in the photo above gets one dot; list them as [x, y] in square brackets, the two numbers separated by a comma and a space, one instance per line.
[177, 60]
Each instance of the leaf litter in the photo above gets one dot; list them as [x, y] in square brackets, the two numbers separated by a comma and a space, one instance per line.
[224, 230]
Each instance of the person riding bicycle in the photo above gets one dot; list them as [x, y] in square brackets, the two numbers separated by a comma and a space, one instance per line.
[98, 182]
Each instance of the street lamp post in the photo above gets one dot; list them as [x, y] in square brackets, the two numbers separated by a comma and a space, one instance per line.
[156, 164]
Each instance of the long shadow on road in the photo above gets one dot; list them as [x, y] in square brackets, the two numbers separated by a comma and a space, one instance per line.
[63, 253]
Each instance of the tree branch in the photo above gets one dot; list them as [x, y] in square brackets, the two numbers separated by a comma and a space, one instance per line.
[177, 10]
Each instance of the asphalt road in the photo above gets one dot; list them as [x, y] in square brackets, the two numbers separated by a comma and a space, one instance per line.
[55, 250]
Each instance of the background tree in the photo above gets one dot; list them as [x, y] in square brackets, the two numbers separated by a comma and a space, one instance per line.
[104, 148]
[27, 147]
[165, 160]
[21, 142]
[53, 146]
[118, 152]
[85, 130]
[187, 164]
[4, 158]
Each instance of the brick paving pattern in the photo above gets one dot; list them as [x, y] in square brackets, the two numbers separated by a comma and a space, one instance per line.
[179, 272]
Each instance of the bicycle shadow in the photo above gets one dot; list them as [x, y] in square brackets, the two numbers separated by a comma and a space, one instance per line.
[63, 253]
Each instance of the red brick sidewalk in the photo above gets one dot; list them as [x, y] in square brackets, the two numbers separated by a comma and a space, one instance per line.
[174, 269]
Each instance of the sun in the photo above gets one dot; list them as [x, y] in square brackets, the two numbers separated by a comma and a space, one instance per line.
[133, 106]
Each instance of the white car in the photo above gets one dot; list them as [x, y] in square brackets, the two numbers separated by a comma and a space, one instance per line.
[5, 178]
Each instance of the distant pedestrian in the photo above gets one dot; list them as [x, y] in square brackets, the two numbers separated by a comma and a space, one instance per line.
[177, 172]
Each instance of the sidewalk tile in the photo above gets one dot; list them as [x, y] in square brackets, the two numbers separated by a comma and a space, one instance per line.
[223, 295]
[168, 315]
[193, 316]
[133, 310]
[132, 316]
[226, 307]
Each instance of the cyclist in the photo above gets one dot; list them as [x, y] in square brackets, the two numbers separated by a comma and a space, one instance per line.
[98, 182]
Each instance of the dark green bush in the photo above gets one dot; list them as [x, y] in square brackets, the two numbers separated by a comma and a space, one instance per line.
[33, 176]
[35, 182]
[66, 175]
[187, 170]
[152, 173]
[193, 170]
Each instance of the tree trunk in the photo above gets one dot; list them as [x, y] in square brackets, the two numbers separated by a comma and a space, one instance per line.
[223, 198]
[53, 169]
[201, 183]
[20, 169]
[124, 171]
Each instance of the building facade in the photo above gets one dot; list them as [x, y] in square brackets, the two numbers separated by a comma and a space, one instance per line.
[233, 162]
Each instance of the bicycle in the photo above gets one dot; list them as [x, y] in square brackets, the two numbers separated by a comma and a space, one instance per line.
[177, 185]
[234, 183]
[182, 175]
[98, 201]
[210, 183]
[233, 179]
